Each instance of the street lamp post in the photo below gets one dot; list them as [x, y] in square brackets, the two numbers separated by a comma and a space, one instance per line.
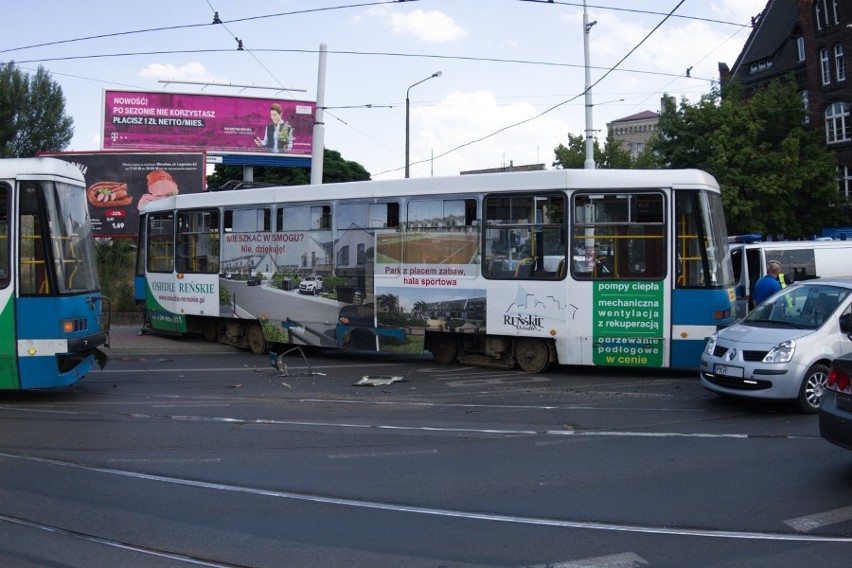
[407, 103]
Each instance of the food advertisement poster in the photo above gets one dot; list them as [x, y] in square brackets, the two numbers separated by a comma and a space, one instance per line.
[118, 184]
[144, 120]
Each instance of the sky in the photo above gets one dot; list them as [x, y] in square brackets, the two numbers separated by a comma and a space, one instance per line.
[512, 71]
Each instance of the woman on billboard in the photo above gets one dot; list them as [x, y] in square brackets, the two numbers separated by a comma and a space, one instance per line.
[278, 135]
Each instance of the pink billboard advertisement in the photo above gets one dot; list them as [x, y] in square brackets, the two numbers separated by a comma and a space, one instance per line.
[141, 120]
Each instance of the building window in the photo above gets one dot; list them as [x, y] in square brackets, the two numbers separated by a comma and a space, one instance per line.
[807, 104]
[800, 45]
[827, 13]
[825, 65]
[845, 181]
[839, 66]
[837, 123]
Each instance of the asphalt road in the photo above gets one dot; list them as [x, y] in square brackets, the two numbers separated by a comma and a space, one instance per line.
[212, 457]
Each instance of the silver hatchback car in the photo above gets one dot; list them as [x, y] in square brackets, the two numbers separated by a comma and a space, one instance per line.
[782, 349]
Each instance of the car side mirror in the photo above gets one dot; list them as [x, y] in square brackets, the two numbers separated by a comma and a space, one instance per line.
[846, 324]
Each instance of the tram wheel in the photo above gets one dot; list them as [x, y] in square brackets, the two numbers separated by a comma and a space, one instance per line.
[444, 348]
[256, 340]
[532, 354]
[210, 331]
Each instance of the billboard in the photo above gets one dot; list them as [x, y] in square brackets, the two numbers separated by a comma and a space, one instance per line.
[140, 120]
[118, 184]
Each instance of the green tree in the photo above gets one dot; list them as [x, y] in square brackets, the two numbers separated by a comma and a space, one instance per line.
[334, 169]
[613, 156]
[32, 114]
[573, 156]
[777, 177]
[115, 260]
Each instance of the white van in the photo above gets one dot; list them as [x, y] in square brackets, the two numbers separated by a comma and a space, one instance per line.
[800, 260]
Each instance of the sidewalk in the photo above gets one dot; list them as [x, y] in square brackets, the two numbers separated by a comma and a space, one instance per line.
[128, 340]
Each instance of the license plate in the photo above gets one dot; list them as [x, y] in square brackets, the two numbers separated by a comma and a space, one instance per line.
[728, 371]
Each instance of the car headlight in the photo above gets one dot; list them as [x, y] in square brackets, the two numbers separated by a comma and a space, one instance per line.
[781, 353]
[711, 345]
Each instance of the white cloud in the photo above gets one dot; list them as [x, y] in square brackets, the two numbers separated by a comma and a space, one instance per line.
[434, 27]
[193, 71]
[465, 117]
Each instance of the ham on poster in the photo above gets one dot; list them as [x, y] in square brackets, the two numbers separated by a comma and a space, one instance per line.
[118, 184]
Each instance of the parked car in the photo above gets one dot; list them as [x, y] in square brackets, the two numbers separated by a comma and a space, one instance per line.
[311, 285]
[253, 281]
[782, 350]
[835, 412]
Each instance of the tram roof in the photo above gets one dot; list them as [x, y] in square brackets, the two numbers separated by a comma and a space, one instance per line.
[451, 185]
[24, 168]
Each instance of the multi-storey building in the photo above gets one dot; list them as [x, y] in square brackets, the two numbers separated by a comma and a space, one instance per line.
[808, 40]
[634, 131]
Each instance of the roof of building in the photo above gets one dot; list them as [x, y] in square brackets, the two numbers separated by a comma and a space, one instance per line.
[644, 115]
[772, 39]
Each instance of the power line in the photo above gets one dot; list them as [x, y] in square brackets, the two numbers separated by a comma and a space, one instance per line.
[530, 119]
[356, 53]
[637, 11]
[340, 7]
[197, 25]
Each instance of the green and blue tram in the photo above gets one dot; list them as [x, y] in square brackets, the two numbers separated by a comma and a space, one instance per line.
[52, 317]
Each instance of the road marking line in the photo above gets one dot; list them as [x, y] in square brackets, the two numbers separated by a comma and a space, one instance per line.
[811, 522]
[624, 560]
[450, 513]
[115, 543]
[381, 454]
[165, 460]
[231, 369]
[506, 432]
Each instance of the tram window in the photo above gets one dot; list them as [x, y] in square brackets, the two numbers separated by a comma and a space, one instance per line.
[352, 216]
[4, 236]
[247, 220]
[525, 237]
[161, 242]
[197, 242]
[303, 218]
[321, 217]
[700, 247]
[384, 215]
[441, 231]
[441, 214]
[618, 236]
[34, 273]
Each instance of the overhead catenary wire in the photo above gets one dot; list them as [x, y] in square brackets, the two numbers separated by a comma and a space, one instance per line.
[334, 8]
[217, 20]
[551, 109]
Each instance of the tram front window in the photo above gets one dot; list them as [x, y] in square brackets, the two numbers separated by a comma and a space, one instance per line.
[55, 232]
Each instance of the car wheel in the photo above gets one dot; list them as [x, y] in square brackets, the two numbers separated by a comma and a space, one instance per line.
[812, 389]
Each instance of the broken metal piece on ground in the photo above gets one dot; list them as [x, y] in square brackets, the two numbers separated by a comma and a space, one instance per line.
[378, 380]
[277, 361]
